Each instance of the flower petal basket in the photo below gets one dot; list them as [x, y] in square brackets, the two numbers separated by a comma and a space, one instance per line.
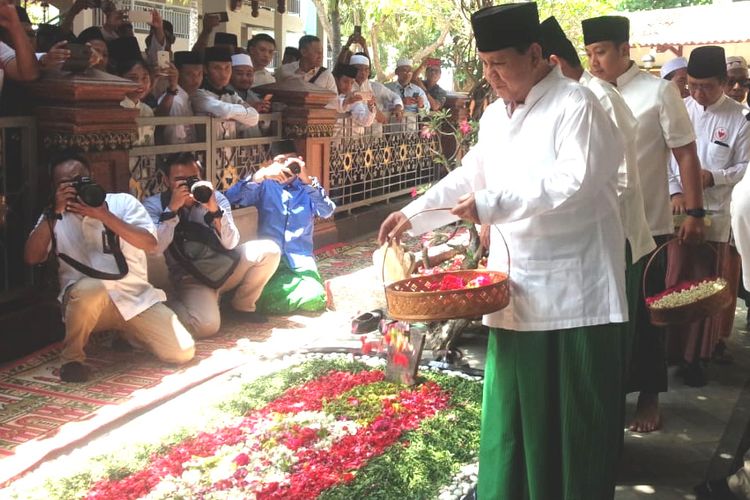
[686, 304]
[418, 298]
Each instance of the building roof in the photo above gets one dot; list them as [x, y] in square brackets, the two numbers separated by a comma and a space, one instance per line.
[697, 25]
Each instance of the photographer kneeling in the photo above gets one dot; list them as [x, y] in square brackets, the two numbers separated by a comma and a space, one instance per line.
[198, 237]
[91, 233]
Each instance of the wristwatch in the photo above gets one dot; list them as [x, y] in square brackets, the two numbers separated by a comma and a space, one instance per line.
[210, 216]
[50, 214]
[698, 213]
[172, 92]
[314, 182]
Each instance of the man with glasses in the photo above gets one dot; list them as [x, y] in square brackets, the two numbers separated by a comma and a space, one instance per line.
[737, 78]
[723, 141]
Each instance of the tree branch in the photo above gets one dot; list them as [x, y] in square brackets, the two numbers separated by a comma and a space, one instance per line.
[324, 18]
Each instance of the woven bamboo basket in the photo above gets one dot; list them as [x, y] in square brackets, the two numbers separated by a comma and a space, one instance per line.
[687, 313]
[415, 298]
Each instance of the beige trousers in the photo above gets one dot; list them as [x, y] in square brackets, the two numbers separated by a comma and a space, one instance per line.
[197, 305]
[87, 308]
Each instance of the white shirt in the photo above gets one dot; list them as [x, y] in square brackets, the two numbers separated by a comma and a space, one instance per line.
[410, 90]
[663, 124]
[632, 211]
[359, 113]
[180, 134]
[723, 142]
[262, 77]
[740, 217]
[7, 54]
[291, 70]
[229, 106]
[82, 238]
[145, 132]
[548, 176]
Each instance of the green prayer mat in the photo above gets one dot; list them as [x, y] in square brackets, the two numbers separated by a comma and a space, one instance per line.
[291, 290]
[551, 414]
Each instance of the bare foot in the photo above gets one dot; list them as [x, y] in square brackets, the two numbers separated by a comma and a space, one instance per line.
[647, 415]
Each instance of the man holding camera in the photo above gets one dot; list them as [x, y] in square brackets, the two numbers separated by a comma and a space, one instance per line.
[414, 98]
[190, 201]
[100, 242]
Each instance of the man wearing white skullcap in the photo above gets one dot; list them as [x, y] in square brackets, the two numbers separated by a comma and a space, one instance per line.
[385, 99]
[675, 70]
[242, 79]
[413, 97]
[737, 78]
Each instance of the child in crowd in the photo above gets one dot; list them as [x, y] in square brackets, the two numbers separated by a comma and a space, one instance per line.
[288, 200]
[127, 62]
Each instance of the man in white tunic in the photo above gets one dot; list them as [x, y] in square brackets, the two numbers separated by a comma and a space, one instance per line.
[560, 52]
[723, 140]
[387, 101]
[663, 127]
[310, 67]
[190, 68]
[546, 175]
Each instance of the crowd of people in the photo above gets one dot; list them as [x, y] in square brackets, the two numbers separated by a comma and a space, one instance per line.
[588, 175]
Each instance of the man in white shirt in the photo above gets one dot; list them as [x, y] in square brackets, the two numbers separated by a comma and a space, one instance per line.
[197, 304]
[190, 67]
[262, 48]
[663, 127]
[561, 52]
[83, 236]
[387, 100]
[413, 97]
[546, 174]
[723, 140]
[310, 67]
[361, 112]
[214, 98]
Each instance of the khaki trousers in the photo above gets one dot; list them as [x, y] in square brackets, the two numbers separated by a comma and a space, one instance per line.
[87, 308]
[197, 305]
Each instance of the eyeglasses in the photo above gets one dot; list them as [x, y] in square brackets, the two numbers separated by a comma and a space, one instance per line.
[731, 82]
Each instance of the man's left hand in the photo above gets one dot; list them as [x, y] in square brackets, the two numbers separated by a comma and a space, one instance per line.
[100, 213]
[467, 208]
[707, 178]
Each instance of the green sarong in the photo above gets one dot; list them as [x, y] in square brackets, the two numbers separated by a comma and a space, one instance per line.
[551, 414]
[291, 290]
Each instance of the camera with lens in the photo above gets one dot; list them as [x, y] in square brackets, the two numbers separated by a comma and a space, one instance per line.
[201, 190]
[91, 193]
[295, 168]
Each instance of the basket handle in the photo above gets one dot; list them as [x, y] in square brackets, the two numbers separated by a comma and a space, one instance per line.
[653, 256]
[403, 223]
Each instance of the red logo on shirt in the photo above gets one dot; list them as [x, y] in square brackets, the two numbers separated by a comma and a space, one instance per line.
[720, 134]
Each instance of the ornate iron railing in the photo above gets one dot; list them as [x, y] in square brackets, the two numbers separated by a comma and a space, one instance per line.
[379, 163]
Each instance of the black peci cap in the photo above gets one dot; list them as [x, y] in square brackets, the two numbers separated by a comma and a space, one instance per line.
[606, 29]
[502, 26]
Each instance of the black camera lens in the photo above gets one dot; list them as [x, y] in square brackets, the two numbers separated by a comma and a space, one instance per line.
[202, 191]
[295, 168]
[91, 193]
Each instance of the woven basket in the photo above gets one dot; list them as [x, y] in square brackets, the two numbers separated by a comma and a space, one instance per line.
[415, 298]
[688, 313]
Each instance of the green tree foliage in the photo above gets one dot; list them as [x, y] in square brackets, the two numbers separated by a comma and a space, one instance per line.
[631, 5]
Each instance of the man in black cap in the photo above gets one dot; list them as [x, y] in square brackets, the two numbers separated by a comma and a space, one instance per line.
[544, 172]
[176, 102]
[561, 52]
[663, 127]
[215, 99]
[723, 141]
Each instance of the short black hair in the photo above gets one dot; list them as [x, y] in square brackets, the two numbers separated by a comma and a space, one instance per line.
[181, 158]
[307, 40]
[260, 37]
[292, 51]
[66, 155]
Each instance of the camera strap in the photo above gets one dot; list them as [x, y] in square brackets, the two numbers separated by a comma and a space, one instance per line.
[317, 75]
[114, 246]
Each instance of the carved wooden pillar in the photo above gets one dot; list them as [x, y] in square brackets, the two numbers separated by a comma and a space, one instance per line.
[83, 110]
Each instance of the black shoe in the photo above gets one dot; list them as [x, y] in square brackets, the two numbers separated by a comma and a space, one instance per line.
[693, 375]
[74, 372]
[251, 316]
[367, 322]
[715, 489]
